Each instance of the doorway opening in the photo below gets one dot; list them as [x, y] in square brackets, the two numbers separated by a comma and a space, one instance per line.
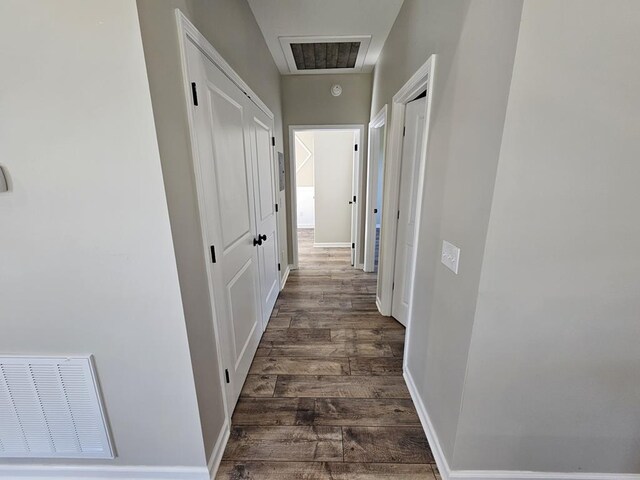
[326, 166]
[375, 182]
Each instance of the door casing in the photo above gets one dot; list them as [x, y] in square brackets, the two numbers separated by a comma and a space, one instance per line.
[358, 187]
[187, 32]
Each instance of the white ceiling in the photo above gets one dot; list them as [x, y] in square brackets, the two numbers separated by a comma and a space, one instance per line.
[313, 18]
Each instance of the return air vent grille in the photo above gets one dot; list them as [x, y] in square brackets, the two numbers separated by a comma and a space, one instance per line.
[325, 55]
[50, 408]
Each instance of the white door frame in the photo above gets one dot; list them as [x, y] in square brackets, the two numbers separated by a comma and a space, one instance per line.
[420, 81]
[293, 192]
[379, 121]
[187, 32]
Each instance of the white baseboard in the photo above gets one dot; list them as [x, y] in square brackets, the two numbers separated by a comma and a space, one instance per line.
[521, 475]
[432, 437]
[447, 474]
[283, 280]
[101, 472]
[332, 245]
[218, 450]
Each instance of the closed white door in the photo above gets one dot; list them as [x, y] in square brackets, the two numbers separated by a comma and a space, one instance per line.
[260, 129]
[415, 118]
[224, 182]
[354, 203]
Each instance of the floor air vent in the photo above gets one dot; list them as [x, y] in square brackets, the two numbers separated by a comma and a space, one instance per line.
[50, 408]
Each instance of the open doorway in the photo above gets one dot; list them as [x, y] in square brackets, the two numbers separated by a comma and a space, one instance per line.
[326, 165]
[375, 182]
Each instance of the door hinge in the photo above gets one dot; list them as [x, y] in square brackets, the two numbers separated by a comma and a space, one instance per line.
[404, 131]
[398, 214]
[354, 199]
[273, 141]
[226, 375]
[278, 267]
[276, 208]
[393, 286]
[194, 92]
[356, 147]
[213, 254]
[353, 245]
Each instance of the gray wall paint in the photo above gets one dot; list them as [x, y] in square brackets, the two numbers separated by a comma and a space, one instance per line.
[554, 367]
[307, 100]
[475, 43]
[231, 28]
[87, 261]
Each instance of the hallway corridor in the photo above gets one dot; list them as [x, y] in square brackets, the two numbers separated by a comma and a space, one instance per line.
[325, 398]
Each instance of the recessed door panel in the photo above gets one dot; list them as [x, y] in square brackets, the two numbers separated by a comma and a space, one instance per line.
[223, 168]
[229, 153]
[261, 128]
[415, 118]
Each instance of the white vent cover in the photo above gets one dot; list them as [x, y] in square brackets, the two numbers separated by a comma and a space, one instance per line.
[50, 408]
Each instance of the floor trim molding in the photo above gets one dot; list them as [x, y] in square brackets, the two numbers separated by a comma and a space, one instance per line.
[332, 245]
[101, 472]
[285, 277]
[447, 474]
[218, 450]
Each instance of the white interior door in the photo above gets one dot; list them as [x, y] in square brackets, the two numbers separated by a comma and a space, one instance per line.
[224, 181]
[261, 132]
[354, 205]
[415, 118]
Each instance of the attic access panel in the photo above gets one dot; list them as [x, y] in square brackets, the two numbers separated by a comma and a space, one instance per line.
[325, 54]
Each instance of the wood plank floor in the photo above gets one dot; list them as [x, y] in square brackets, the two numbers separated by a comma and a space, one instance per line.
[325, 398]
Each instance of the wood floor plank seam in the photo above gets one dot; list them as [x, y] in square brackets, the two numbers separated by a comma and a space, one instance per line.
[325, 398]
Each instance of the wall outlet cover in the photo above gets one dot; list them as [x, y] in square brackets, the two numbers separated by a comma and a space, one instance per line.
[450, 256]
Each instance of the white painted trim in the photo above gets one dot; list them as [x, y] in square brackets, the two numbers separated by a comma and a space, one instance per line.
[186, 29]
[523, 475]
[332, 245]
[285, 44]
[378, 306]
[101, 472]
[425, 420]
[447, 474]
[293, 219]
[187, 32]
[306, 226]
[218, 450]
[377, 122]
[421, 80]
[285, 277]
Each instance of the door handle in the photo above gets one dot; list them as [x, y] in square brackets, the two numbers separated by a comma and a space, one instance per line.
[262, 237]
[257, 241]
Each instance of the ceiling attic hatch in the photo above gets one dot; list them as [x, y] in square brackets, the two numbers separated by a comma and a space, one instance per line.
[324, 54]
[320, 56]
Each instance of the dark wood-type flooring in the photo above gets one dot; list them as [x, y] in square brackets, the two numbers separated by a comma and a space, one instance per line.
[325, 398]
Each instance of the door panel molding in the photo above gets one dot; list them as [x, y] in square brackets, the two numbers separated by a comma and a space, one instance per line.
[292, 188]
[421, 80]
[189, 38]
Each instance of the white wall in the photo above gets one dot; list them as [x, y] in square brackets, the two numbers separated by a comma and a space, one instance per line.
[307, 100]
[475, 42]
[85, 245]
[333, 154]
[553, 380]
[230, 27]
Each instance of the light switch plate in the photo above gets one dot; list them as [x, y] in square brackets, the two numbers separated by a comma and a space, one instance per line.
[450, 256]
